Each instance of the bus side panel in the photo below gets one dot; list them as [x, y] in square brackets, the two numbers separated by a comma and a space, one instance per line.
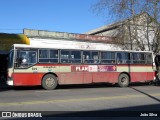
[142, 76]
[150, 76]
[108, 77]
[26, 79]
[87, 77]
[70, 77]
[138, 76]
[141, 73]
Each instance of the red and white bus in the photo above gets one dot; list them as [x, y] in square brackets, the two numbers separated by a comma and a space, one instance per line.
[49, 67]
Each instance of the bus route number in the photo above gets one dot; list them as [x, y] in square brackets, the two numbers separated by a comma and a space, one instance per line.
[34, 68]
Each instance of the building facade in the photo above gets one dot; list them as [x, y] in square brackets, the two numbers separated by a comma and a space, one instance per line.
[140, 32]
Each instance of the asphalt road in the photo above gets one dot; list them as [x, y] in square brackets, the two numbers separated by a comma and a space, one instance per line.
[83, 100]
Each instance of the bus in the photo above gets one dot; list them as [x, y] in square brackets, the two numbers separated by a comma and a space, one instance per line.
[49, 67]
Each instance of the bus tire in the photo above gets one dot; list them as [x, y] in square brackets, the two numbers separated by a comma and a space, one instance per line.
[123, 80]
[49, 82]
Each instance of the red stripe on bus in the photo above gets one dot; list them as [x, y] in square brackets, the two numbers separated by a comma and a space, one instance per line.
[31, 79]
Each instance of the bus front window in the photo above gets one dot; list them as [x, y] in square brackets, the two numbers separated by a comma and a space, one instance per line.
[25, 59]
[10, 60]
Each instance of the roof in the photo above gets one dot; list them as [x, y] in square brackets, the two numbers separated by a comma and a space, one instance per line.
[115, 25]
[30, 33]
[104, 28]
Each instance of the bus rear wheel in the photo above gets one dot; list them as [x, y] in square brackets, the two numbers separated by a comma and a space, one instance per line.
[49, 82]
[123, 80]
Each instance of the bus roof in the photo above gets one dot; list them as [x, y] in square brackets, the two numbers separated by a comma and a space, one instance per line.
[49, 47]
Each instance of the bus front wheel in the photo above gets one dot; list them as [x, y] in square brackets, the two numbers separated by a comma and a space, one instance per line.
[123, 80]
[49, 82]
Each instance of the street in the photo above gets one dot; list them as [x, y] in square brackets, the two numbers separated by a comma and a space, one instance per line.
[77, 98]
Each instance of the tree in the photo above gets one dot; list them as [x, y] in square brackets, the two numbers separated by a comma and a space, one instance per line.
[140, 29]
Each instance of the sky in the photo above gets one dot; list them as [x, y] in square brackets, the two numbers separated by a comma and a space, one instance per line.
[73, 16]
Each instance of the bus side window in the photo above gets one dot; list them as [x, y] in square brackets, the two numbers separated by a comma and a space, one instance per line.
[86, 57]
[119, 58]
[107, 57]
[43, 56]
[75, 56]
[65, 56]
[95, 57]
[96, 60]
[138, 58]
[149, 58]
[123, 58]
[90, 57]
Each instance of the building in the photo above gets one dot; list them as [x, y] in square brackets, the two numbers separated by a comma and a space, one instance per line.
[41, 38]
[140, 32]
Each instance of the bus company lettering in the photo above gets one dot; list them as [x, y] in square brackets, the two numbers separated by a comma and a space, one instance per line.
[93, 68]
[81, 68]
[89, 68]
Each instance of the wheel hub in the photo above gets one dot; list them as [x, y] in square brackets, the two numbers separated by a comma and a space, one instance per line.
[124, 80]
[50, 82]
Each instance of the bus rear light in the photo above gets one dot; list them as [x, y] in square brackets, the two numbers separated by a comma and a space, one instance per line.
[155, 73]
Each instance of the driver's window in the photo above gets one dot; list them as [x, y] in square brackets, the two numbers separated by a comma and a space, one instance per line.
[25, 59]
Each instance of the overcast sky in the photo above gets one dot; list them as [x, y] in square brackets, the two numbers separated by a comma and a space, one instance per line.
[75, 16]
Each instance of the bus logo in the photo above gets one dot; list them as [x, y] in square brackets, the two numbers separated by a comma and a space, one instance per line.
[93, 68]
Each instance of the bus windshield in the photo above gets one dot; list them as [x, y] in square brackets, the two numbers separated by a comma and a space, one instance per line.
[10, 60]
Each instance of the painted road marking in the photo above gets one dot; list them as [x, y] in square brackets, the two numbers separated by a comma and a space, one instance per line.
[73, 100]
[47, 91]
